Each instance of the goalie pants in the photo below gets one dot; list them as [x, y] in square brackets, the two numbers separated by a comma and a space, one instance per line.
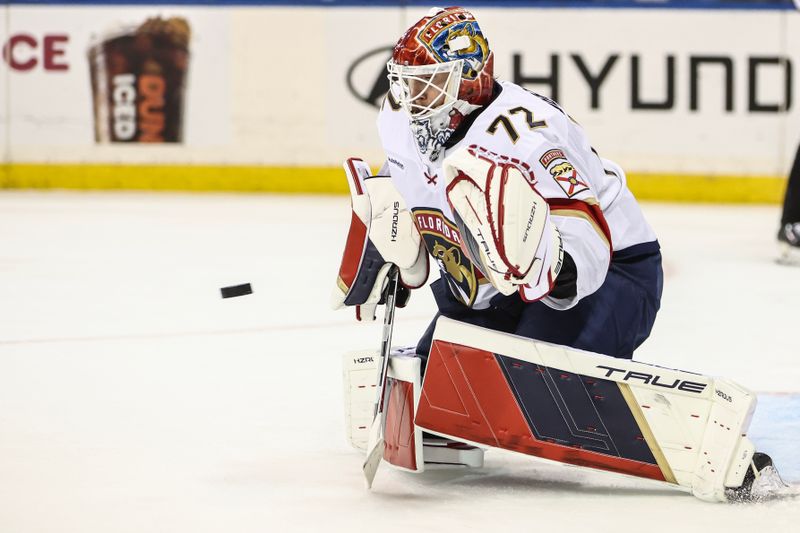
[614, 320]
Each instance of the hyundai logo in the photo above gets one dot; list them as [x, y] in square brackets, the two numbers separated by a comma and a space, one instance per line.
[366, 77]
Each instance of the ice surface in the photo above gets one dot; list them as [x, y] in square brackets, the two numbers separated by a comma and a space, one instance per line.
[775, 430]
[134, 399]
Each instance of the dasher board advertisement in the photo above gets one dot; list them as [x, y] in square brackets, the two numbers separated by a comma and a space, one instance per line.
[272, 88]
[85, 83]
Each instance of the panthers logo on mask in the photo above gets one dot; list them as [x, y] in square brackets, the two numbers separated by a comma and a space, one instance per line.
[453, 36]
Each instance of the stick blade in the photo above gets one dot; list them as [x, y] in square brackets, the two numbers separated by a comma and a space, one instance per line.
[373, 461]
[375, 447]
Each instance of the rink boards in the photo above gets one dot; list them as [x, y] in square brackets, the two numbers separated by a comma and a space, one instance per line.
[706, 113]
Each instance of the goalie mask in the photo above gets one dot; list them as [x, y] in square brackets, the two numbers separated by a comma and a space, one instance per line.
[440, 71]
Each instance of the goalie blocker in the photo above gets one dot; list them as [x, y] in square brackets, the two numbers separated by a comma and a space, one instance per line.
[382, 233]
[488, 389]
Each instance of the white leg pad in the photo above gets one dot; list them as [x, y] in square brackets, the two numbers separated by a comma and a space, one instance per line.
[694, 426]
[405, 447]
[360, 380]
[359, 377]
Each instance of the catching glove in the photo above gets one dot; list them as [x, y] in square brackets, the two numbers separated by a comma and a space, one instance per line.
[504, 222]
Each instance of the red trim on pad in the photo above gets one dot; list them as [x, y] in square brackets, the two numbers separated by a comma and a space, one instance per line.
[400, 449]
[353, 250]
[465, 395]
[354, 173]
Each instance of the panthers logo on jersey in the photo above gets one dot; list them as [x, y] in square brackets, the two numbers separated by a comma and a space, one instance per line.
[453, 36]
[443, 242]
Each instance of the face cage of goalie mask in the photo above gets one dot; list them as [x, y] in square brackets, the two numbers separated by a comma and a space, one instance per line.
[445, 97]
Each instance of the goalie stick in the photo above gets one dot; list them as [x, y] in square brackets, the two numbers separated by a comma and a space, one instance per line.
[376, 444]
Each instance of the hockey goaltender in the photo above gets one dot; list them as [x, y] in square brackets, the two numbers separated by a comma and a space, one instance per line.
[550, 278]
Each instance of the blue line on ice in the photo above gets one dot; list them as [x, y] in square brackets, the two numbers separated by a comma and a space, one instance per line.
[775, 430]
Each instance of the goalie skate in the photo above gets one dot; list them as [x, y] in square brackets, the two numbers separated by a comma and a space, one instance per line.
[789, 244]
[444, 452]
[761, 482]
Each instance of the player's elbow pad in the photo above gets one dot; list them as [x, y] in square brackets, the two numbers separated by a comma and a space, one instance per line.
[382, 232]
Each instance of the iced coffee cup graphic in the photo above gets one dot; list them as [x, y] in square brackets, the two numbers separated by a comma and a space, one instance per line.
[139, 82]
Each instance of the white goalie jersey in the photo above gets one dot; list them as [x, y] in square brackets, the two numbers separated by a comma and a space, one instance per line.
[588, 198]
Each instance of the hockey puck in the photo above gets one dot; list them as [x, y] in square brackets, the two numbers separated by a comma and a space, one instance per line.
[236, 290]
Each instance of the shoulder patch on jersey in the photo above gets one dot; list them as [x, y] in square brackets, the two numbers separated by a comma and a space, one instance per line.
[550, 156]
[563, 172]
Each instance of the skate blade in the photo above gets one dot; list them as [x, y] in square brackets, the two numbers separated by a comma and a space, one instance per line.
[768, 486]
[788, 255]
